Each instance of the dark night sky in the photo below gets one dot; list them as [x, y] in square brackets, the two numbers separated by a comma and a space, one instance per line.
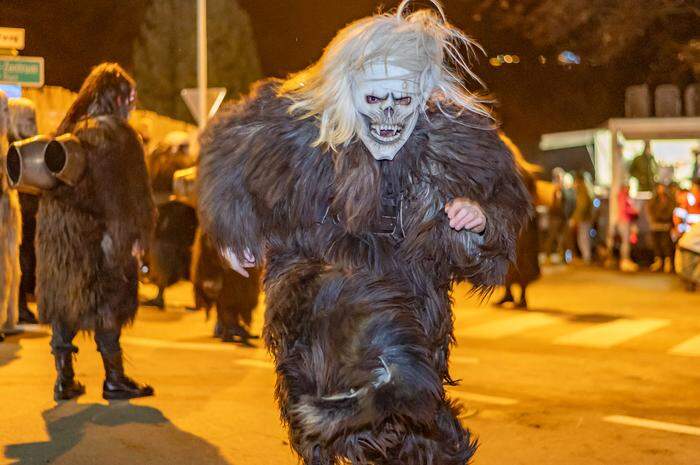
[74, 35]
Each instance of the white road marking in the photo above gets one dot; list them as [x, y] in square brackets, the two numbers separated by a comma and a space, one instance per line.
[606, 335]
[201, 346]
[690, 347]
[163, 344]
[653, 424]
[481, 398]
[32, 328]
[255, 363]
[508, 326]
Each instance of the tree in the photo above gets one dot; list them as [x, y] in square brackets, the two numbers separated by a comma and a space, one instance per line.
[165, 53]
[658, 33]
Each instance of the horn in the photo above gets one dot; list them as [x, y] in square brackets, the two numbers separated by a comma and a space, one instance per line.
[26, 168]
[65, 158]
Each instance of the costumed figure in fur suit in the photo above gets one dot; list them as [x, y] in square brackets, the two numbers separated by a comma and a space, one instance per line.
[369, 183]
[526, 268]
[216, 284]
[23, 126]
[10, 237]
[90, 235]
[170, 253]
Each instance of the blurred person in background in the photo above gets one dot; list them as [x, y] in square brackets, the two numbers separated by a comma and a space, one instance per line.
[696, 163]
[23, 126]
[526, 269]
[645, 169]
[215, 284]
[582, 217]
[688, 257]
[661, 208]
[688, 210]
[560, 210]
[627, 214]
[90, 236]
[169, 257]
[10, 237]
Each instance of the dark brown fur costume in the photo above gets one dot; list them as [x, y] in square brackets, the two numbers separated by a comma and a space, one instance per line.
[77, 282]
[170, 254]
[350, 310]
[216, 284]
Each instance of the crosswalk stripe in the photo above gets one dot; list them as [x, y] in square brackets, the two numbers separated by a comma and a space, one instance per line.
[606, 335]
[508, 326]
[690, 347]
[213, 346]
[653, 424]
[482, 398]
[255, 363]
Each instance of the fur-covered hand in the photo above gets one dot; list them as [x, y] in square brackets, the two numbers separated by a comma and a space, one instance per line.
[465, 214]
[236, 264]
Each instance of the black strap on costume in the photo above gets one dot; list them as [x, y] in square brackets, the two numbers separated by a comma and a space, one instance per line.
[390, 222]
[391, 206]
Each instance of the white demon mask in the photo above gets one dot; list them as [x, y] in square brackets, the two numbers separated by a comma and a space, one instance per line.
[389, 101]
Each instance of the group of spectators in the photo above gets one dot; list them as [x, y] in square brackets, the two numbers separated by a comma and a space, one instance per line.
[662, 223]
[570, 218]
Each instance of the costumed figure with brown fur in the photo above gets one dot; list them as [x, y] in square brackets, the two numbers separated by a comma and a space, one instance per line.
[526, 268]
[90, 235]
[170, 253]
[23, 126]
[10, 237]
[217, 285]
[369, 184]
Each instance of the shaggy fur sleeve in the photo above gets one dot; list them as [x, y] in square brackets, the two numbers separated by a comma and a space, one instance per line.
[468, 159]
[244, 170]
[119, 177]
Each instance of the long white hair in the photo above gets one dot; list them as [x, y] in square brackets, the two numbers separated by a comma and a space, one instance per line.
[422, 42]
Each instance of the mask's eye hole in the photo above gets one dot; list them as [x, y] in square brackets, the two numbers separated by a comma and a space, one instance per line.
[403, 101]
[372, 99]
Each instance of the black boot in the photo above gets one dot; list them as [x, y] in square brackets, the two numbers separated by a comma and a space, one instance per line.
[117, 385]
[243, 335]
[507, 298]
[66, 386]
[158, 301]
[26, 316]
[523, 299]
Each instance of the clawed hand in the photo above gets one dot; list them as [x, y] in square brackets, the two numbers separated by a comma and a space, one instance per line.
[238, 266]
[465, 214]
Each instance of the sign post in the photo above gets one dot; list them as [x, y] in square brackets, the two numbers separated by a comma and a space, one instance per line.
[202, 62]
[24, 71]
[213, 98]
[11, 38]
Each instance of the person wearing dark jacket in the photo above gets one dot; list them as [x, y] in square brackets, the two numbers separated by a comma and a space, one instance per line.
[90, 235]
[23, 126]
[661, 208]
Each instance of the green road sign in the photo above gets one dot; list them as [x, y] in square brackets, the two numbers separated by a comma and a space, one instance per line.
[23, 71]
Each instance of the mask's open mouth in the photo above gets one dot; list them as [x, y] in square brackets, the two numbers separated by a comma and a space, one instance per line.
[386, 132]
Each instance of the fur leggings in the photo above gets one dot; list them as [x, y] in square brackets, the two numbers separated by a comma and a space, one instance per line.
[356, 380]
